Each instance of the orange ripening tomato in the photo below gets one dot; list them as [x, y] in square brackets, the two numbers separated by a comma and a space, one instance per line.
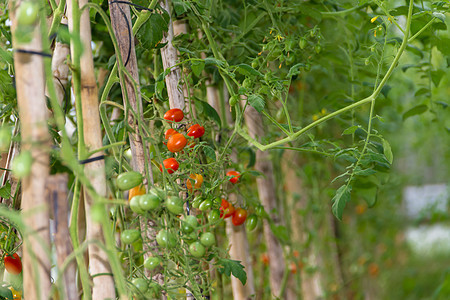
[136, 191]
[174, 114]
[226, 209]
[196, 131]
[13, 264]
[235, 176]
[170, 164]
[265, 259]
[293, 268]
[239, 216]
[176, 142]
[197, 179]
[169, 132]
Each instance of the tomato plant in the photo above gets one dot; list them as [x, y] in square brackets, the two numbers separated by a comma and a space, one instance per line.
[205, 205]
[170, 164]
[166, 239]
[129, 180]
[207, 239]
[174, 204]
[196, 131]
[252, 222]
[239, 216]
[174, 114]
[149, 202]
[135, 205]
[176, 142]
[235, 175]
[141, 284]
[152, 262]
[13, 264]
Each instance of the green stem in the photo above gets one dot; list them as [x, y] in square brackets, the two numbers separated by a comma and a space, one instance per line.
[106, 147]
[276, 123]
[57, 15]
[421, 30]
[328, 14]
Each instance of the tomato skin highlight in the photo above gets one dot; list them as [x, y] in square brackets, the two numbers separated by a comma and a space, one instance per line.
[170, 164]
[174, 114]
[196, 131]
[234, 176]
[176, 142]
[239, 216]
[128, 180]
[13, 264]
[226, 209]
[169, 132]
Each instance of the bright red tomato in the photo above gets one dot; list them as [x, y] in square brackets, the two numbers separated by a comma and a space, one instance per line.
[196, 131]
[13, 264]
[235, 176]
[169, 132]
[170, 164]
[174, 114]
[226, 209]
[176, 142]
[239, 216]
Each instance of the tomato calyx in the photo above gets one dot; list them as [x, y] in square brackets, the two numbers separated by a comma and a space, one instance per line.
[196, 131]
[174, 114]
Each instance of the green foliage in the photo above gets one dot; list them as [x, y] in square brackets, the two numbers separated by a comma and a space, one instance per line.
[229, 266]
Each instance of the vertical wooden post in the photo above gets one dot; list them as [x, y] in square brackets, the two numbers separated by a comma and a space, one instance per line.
[103, 283]
[30, 83]
[57, 193]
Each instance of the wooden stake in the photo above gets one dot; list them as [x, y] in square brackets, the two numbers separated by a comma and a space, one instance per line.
[30, 82]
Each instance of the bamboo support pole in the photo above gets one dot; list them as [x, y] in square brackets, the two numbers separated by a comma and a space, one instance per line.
[57, 193]
[30, 83]
[103, 283]
[267, 194]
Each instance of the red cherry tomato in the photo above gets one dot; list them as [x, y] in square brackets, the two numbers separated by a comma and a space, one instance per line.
[235, 176]
[226, 209]
[239, 216]
[169, 132]
[196, 131]
[170, 164]
[176, 142]
[174, 114]
[13, 264]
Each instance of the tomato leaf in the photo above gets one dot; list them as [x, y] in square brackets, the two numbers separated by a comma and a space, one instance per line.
[180, 7]
[340, 199]
[295, 70]
[213, 61]
[197, 67]
[350, 130]
[234, 267]
[207, 110]
[436, 76]
[280, 232]
[247, 70]
[257, 102]
[209, 152]
[417, 110]
[387, 151]
[422, 91]
[151, 33]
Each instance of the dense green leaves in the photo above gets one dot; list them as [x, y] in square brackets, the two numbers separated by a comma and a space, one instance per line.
[151, 33]
[340, 199]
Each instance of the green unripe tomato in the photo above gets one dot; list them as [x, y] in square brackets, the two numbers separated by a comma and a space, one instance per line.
[21, 165]
[197, 201]
[149, 202]
[27, 13]
[152, 262]
[302, 43]
[251, 222]
[130, 236]
[175, 205]
[166, 239]
[141, 284]
[247, 83]
[234, 100]
[191, 237]
[158, 192]
[128, 180]
[205, 205]
[318, 48]
[135, 205]
[207, 239]
[186, 227]
[192, 221]
[254, 64]
[5, 138]
[259, 210]
[197, 249]
[214, 216]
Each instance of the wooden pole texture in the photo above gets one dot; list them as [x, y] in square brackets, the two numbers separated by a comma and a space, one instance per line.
[103, 283]
[57, 193]
[267, 194]
[30, 85]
